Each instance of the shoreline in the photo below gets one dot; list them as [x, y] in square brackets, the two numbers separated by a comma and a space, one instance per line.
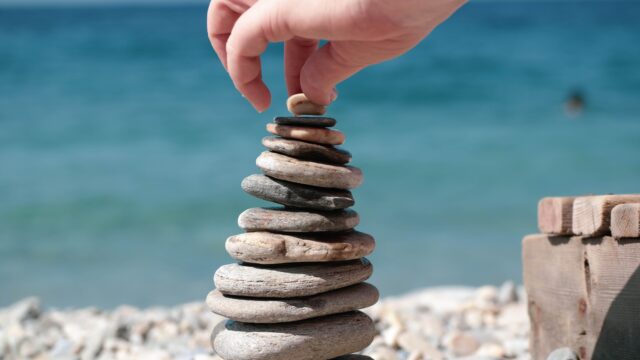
[479, 323]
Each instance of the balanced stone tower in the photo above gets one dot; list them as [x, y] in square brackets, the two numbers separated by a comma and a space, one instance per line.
[299, 282]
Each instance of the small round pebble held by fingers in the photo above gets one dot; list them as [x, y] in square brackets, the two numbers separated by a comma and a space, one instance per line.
[298, 104]
[308, 172]
[306, 150]
[311, 134]
[267, 311]
[320, 338]
[297, 221]
[296, 195]
[311, 121]
[270, 248]
[291, 280]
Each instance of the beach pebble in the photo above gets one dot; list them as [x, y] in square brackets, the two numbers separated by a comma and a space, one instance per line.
[254, 310]
[298, 221]
[284, 281]
[507, 293]
[563, 354]
[272, 248]
[309, 173]
[310, 134]
[383, 353]
[296, 195]
[23, 310]
[306, 150]
[299, 104]
[462, 344]
[414, 343]
[491, 350]
[313, 121]
[320, 338]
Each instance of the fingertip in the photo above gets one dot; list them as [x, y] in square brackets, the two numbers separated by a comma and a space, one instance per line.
[258, 94]
[316, 95]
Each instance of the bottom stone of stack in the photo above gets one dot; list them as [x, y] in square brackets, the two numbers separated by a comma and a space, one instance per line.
[266, 311]
[314, 339]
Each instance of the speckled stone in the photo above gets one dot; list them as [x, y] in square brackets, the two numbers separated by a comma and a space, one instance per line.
[264, 311]
[296, 195]
[320, 338]
[306, 151]
[309, 173]
[290, 220]
[310, 134]
[271, 248]
[291, 280]
[312, 121]
[299, 104]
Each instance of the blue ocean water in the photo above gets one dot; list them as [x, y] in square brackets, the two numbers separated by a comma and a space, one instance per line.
[123, 143]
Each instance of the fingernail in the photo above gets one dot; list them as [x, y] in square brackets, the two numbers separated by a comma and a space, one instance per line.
[334, 95]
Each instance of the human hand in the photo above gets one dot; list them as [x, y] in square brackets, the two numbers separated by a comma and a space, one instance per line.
[359, 33]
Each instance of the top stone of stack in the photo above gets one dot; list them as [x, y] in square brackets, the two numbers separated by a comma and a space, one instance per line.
[298, 104]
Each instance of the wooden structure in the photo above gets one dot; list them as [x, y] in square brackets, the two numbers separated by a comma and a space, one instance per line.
[584, 290]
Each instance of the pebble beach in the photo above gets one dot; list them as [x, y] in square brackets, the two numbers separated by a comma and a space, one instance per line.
[469, 323]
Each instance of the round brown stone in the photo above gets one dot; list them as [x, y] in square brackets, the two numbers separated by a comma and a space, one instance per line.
[265, 311]
[271, 248]
[306, 151]
[325, 337]
[299, 104]
[290, 280]
[310, 134]
[308, 172]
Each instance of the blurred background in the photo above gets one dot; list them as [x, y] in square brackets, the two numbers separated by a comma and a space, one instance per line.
[123, 143]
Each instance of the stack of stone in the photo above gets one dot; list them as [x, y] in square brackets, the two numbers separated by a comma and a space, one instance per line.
[298, 286]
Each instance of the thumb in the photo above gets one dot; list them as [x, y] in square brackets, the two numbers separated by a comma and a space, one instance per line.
[324, 69]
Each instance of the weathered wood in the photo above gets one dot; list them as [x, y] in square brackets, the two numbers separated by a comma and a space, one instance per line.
[555, 289]
[584, 293]
[592, 214]
[625, 221]
[555, 215]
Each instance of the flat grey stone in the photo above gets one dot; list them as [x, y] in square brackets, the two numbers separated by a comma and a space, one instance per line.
[315, 339]
[306, 150]
[271, 248]
[296, 195]
[313, 121]
[262, 311]
[286, 281]
[308, 172]
[294, 220]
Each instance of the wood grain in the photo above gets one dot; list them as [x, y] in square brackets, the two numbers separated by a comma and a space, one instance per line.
[555, 215]
[592, 214]
[625, 221]
[583, 293]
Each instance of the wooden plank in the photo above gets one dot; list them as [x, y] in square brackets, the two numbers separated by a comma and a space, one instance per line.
[614, 298]
[555, 215]
[625, 221]
[583, 293]
[592, 214]
[556, 293]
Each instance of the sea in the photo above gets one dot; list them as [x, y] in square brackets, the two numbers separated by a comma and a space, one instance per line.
[123, 144]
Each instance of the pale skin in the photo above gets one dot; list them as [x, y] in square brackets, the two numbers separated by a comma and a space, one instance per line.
[359, 33]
